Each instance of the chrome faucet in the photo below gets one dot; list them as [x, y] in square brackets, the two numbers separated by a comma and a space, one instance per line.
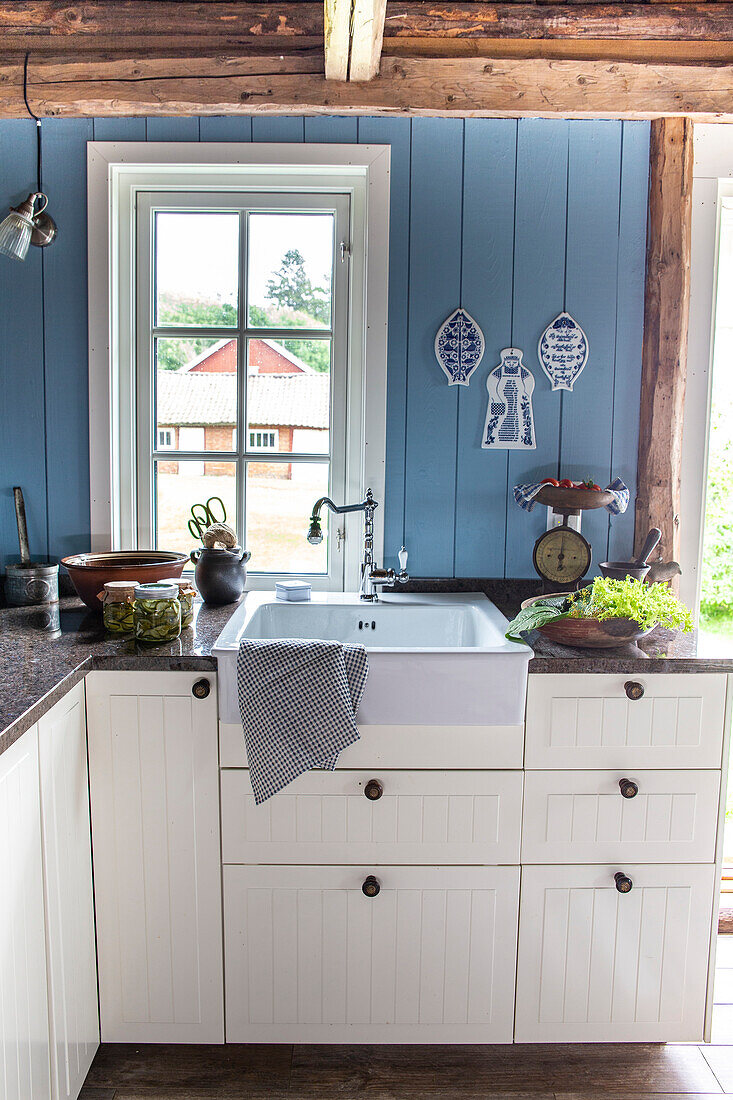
[372, 578]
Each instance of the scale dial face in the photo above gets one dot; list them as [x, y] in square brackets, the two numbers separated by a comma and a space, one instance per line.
[562, 555]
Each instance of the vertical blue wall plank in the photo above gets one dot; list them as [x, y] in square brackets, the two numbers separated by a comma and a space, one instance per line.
[225, 128]
[65, 326]
[22, 411]
[432, 406]
[629, 326]
[539, 271]
[334, 130]
[396, 133]
[173, 129]
[119, 129]
[594, 173]
[488, 242]
[277, 128]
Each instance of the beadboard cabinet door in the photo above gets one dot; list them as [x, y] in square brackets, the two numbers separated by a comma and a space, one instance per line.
[596, 965]
[157, 878]
[72, 962]
[24, 1031]
[430, 959]
[592, 720]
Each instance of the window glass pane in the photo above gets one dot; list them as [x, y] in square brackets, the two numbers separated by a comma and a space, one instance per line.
[290, 269]
[280, 498]
[196, 268]
[195, 394]
[179, 485]
[289, 392]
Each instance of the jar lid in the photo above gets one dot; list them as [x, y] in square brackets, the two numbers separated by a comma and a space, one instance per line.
[156, 590]
[119, 591]
[185, 587]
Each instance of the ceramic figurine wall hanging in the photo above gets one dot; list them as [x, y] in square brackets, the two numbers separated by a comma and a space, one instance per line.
[459, 347]
[563, 351]
[509, 417]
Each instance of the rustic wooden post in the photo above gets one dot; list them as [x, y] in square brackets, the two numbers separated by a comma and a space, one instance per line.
[664, 355]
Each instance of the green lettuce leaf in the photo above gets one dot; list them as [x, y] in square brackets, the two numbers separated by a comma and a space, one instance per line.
[536, 615]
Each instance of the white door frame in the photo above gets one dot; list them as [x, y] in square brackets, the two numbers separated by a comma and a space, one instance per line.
[712, 178]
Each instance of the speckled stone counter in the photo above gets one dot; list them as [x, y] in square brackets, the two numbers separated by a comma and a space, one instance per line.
[42, 658]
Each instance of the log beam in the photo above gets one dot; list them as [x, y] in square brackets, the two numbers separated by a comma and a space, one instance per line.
[664, 355]
[160, 25]
[294, 82]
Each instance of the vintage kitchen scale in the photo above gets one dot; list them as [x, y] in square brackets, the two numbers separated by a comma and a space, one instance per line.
[562, 556]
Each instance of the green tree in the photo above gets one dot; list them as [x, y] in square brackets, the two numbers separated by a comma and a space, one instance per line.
[291, 288]
[717, 563]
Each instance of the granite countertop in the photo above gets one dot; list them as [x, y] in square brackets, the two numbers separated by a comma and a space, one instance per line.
[42, 655]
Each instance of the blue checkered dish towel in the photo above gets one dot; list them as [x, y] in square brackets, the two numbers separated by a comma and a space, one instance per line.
[298, 702]
[525, 494]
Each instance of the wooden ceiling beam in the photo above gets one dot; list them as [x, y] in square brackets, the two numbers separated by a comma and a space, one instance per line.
[471, 86]
[337, 38]
[230, 24]
[367, 32]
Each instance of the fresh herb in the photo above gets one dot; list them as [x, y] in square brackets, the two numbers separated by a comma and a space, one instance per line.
[648, 605]
[536, 615]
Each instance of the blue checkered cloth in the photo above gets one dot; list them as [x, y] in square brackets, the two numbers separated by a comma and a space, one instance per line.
[298, 702]
[525, 494]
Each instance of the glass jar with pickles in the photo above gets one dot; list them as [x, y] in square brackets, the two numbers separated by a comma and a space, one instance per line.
[118, 601]
[157, 612]
[186, 594]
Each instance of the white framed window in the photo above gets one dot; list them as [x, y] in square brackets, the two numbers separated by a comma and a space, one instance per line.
[264, 440]
[234, 280]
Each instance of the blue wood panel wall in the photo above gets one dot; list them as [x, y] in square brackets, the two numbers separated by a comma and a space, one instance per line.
[515, 220]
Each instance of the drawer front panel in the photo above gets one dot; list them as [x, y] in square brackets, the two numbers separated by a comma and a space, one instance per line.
[582, 817]
[588, 721]
[420, 817]
[310, 958]
[408, 747]
[596, 965]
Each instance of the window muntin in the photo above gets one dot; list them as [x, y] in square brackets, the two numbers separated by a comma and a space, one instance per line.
[218, 379]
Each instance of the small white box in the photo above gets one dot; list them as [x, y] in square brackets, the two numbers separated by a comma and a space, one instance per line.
[293, 590]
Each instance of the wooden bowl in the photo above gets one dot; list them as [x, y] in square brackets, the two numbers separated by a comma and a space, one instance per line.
[576, 500]
[590, 633]
[89, 572]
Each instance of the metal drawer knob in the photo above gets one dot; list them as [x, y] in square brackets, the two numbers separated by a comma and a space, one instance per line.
[634, 690]
[628, 788]
[370, 886]
[373, 790]
[623, 882]
[201, 689]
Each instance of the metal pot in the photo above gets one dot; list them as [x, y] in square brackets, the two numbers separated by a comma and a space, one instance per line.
[220, 574]
[32, 583]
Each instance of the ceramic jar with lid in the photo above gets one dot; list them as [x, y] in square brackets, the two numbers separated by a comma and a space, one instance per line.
[157, 612]
[118, 599]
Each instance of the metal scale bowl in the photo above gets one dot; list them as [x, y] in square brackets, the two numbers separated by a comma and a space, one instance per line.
[561, 555]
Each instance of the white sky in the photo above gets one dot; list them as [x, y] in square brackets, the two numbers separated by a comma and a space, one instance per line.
[197, 253]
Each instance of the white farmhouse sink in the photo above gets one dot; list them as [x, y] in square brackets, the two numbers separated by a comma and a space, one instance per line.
[436, 659]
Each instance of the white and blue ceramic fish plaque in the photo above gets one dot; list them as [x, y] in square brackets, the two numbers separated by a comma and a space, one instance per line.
[459, 347]
[509, 418]
[563, 351]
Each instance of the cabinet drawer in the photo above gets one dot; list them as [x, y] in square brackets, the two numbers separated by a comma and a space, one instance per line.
[582, 817]
[419, 817]
[596, 965]
[409, 747]
[310, 958]
[589, 721]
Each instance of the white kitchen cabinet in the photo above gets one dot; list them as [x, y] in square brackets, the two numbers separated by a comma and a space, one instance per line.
[411, 817]
[310, 958]
[157, 879]
[596, 965]
[664, 720]
[24, 1028]
[72, 964]
[583, 817]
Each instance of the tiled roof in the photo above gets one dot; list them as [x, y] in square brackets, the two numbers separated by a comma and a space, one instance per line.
[300, 400]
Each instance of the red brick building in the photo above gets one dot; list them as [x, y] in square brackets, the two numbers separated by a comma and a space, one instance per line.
[287, 404]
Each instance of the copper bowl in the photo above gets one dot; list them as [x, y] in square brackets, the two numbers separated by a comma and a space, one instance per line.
[89, 572]
[590, 633]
